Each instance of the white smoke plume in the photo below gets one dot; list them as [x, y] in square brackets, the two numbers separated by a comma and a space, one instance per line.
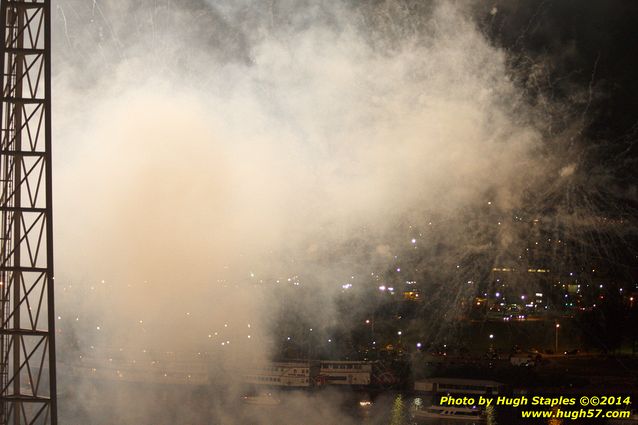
[212, 157]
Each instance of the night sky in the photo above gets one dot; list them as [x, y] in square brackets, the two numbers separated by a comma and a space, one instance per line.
[587, 54]
[586, 46]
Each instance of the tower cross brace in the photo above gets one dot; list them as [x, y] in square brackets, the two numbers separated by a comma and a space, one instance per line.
[27, 317]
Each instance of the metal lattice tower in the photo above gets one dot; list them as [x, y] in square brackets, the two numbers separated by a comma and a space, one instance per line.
[27, 333]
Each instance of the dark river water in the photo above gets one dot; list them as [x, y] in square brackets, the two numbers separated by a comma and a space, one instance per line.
[100, 403]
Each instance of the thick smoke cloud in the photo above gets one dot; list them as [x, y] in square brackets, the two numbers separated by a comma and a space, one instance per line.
[321, 133]
[215, 159]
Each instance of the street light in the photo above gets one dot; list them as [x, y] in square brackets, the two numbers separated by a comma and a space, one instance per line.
[371, 323]
[556, 338]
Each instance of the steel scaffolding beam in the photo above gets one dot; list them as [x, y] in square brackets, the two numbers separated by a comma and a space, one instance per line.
[27, 328]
